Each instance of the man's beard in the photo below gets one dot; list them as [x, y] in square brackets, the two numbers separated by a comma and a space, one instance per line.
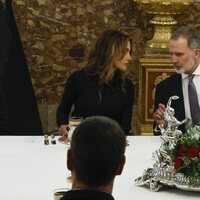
[184, 69]
[179, 71]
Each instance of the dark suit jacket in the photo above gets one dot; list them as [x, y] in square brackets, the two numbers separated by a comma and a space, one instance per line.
[86, 195]
[23, 116]
[5, 38]
[167, 88]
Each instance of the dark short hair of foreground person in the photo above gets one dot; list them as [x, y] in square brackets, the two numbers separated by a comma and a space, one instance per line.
[96, 156]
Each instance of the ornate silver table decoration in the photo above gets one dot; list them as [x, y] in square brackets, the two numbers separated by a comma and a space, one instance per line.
[163, 171]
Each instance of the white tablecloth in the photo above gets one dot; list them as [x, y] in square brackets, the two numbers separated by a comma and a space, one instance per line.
[30, 170]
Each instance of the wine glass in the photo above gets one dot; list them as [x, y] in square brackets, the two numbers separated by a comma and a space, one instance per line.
[59, 193]
[73, 123]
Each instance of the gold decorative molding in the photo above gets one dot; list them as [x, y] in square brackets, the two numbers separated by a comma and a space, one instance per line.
[146, 129]
[152, 71]
[159, 78]
[163, 12]
[155, 73]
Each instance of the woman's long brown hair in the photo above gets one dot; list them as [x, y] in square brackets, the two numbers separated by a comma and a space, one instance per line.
[111, 45]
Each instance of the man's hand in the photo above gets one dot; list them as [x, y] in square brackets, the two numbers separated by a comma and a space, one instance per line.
[158, 115]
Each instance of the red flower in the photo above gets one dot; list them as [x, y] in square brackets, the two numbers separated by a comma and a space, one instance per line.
[193, 152]
[178, 163]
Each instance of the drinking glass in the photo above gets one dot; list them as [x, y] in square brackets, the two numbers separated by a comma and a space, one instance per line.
[73, 123]
[59, 193]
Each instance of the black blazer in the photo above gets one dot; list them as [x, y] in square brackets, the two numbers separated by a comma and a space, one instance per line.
[167, 88]
[5, 38]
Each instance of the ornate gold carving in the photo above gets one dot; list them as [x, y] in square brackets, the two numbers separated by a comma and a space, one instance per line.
[163, 11]
[146, 129]
[152, 71]
[159, 78]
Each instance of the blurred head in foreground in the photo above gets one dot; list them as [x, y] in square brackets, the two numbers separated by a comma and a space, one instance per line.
[96, 155]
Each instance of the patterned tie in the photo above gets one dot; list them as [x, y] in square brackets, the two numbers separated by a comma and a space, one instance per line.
[193, 100]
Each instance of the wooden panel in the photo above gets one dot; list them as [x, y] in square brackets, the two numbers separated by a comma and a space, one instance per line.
[152, 71]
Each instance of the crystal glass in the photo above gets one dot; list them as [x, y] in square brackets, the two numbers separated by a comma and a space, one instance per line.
[59, 193]
[73, 123]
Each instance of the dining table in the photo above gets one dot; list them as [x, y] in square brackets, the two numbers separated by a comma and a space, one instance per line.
[32, 169]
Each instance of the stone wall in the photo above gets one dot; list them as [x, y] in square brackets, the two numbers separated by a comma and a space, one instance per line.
[56, 34]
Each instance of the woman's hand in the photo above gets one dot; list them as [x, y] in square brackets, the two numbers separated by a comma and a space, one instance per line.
[63, 130]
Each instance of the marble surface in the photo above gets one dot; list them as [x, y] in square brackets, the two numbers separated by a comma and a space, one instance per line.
[56, 34]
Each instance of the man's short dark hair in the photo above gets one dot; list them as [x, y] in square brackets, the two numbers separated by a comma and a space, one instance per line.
[98, 146]
[190, 34]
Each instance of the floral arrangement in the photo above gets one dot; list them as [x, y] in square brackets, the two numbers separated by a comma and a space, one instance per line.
[186, 155]
[178, 158]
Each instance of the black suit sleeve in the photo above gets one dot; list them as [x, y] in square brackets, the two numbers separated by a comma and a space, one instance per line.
[167, 88]
[67, 101]
[4, 50]
[126, 116]
[5, 37]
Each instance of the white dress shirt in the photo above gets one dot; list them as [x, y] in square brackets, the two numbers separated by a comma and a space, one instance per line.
[185, 81]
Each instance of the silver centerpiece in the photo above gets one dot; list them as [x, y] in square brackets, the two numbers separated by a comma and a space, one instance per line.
[163, 171]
